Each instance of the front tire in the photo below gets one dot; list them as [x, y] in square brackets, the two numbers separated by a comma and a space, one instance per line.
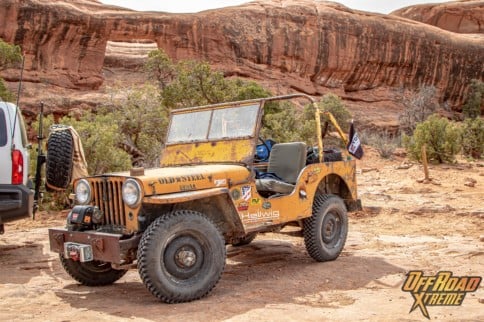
[181, 256]
[326, 230]
[94, 273]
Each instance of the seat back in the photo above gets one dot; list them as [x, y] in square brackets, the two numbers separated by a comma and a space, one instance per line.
[287, 160]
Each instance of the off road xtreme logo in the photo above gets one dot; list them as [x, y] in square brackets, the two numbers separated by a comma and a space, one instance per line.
[443, 289]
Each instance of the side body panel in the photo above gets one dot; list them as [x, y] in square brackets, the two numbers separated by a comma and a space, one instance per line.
[256, 211]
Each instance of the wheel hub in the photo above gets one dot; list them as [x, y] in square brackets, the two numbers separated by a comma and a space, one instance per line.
[185, 257]
[331, 228]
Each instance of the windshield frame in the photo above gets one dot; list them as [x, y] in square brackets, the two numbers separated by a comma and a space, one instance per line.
[238, 150]
[212, 120]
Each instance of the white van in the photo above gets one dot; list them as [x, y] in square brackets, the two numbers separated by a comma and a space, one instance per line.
[16, 193]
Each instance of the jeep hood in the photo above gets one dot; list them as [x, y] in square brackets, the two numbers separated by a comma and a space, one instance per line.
[189, 178]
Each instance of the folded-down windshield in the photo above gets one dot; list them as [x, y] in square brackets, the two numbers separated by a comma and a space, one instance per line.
[213, 124]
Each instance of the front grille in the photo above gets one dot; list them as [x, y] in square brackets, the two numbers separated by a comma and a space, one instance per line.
[107, 196]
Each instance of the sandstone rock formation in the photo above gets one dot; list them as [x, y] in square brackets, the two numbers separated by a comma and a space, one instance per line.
[303, 45]
[465, 17]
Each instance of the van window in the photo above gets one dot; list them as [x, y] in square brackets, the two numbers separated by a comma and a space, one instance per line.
[3, 129]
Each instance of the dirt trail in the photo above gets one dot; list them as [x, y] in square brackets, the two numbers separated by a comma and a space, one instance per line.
[406, 226]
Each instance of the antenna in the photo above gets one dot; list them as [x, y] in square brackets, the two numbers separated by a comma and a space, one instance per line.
[18, 99]
[41, 158]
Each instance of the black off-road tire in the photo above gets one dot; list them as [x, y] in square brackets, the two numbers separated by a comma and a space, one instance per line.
[94, 273]
[181, 256]
[326, 230]
[58, 167]
[332, 155]
[246, 240]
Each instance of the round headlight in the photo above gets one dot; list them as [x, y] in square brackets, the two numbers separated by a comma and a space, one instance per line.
[131, 192]
[83, 192]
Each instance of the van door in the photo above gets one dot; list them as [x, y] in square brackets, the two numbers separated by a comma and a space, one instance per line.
[11, 121]
[5, 157]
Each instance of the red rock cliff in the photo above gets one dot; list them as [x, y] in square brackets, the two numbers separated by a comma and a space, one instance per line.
[465, 17]
[301, 44]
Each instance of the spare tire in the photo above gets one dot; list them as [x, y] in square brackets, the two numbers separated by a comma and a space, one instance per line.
[60, 149]
[330, 155]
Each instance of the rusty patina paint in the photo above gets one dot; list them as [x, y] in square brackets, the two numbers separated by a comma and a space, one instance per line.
[256, 211]
[234, 151]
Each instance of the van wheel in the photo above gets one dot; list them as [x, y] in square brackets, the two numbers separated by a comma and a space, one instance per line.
[93, 273]
[326, 230]
[60, 149]
[181, 256]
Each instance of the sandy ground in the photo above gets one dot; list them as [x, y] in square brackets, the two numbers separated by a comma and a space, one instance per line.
[405, 226]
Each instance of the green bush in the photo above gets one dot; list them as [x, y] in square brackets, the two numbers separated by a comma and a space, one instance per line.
[160, 68]
[472, 107]
[100, 139]
[441, 137]
[5, 94]
[282, 124]
[142, 122]
[10, 56]
[331, 103]
[473, 138]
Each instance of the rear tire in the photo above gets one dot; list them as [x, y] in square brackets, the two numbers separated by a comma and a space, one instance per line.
[59, 164]
[181, 256]
[326, 230]
[93, 273]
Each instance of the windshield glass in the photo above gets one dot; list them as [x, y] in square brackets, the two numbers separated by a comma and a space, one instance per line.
[189, 127]
[215, 124]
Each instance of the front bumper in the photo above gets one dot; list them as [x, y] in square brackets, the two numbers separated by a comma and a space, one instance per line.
[106, 247]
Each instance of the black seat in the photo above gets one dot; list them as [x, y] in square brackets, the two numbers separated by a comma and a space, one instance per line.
[286, 161]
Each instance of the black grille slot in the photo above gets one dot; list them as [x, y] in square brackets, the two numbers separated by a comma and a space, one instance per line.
[107, 196]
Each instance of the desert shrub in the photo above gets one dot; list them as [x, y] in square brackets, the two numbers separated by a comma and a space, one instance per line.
[99, 134]
[383, 142]
[5, 94]
[160, 67]
[441, 137]
[472, 107]
[193, 83]
[142, 122]
[10, 55]
[282, 124]
[331, 103]
[100, 139]
[418, 107]
[473, 138]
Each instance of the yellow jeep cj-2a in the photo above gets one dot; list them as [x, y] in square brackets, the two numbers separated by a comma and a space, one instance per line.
[173, 223]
